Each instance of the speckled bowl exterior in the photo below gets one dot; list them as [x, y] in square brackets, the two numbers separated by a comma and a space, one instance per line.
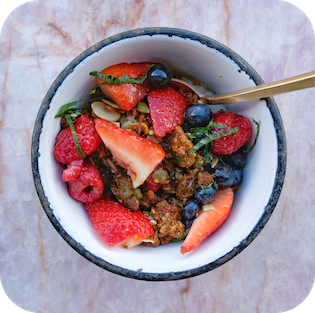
[195, 263]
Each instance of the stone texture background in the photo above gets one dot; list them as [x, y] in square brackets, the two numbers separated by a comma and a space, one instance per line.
[40, 272]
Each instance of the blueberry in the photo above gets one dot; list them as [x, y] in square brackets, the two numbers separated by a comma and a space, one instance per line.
[159, 76]
[198, 115]
[205, 196]
[237, 159]
[187, 223]
[225, 175]
[190, 209]
[186, 128]
[238, 178]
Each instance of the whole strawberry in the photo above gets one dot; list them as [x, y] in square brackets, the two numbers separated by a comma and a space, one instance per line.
[88, 186]
[167, 108]
[228, 144]
[65, 150]
[118, 225]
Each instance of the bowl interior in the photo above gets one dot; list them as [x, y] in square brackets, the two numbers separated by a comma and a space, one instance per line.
[214, 69]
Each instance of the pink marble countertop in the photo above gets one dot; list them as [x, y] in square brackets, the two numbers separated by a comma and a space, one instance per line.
[40, 272]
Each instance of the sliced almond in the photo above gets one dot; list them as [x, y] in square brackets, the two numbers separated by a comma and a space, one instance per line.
[125, 125]
[148, 240]
[208, 207]
[131, 118]
[214, 162]
[116, 123]
[112, 104]
[103, 113]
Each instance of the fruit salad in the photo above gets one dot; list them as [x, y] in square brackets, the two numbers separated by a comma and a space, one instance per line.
[151, 163]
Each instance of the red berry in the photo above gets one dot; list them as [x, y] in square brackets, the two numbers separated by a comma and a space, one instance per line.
[118, 225]
[65, 150]
[228, 144]
[88, 186]
[150, 184]
[209, 221]
[167, 108]
[73, 170]
[126, 96]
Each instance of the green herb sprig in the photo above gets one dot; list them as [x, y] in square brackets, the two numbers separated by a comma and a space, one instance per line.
[182, 237]
[71, 109]
[125, 79]
[177, 158]
[209, 186]
[197, 164]
[208, 136]
[256, 137]
[74, 135]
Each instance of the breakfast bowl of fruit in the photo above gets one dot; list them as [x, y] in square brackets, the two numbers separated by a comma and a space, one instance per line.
[142, 176]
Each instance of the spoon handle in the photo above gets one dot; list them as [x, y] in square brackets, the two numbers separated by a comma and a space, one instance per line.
[303, 81]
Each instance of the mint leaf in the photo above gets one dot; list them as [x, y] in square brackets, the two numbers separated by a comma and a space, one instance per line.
[214, 184]
[177, 159]
[204, 130]
[197, 163]
[201, 143]
[68, 108]
[256, 137]
[182, 237]
[210, 137]
[125, 79]
[74, 135]
[206, 186]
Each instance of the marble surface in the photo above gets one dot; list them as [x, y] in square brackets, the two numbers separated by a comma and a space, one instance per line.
[40, 272]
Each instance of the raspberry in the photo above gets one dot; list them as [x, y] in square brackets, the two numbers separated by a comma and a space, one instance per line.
[73, 170]
[88, 186]
[65, 150]
[228, 144]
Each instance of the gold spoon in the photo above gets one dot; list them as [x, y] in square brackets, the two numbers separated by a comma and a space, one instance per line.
[298, 82]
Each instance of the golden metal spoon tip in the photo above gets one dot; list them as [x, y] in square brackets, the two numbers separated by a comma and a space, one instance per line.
[303, 81]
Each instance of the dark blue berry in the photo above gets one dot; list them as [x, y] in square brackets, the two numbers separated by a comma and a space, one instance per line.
[225, 175]
[159, 76]
[237, 159]
[187, 223]
[190, 209]
[238, 178]
[198, 115]
[205, 196]
[186, 128]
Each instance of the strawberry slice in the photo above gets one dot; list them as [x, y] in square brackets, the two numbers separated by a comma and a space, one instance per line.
[137, 154]
[228, 144]
[209, 221]
[118, 225]
[126, 96]
[167, 108]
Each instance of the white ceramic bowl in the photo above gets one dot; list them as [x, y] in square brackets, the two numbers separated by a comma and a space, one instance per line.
[214, 65]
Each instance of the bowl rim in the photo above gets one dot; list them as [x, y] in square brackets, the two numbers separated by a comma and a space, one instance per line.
[270, 103]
